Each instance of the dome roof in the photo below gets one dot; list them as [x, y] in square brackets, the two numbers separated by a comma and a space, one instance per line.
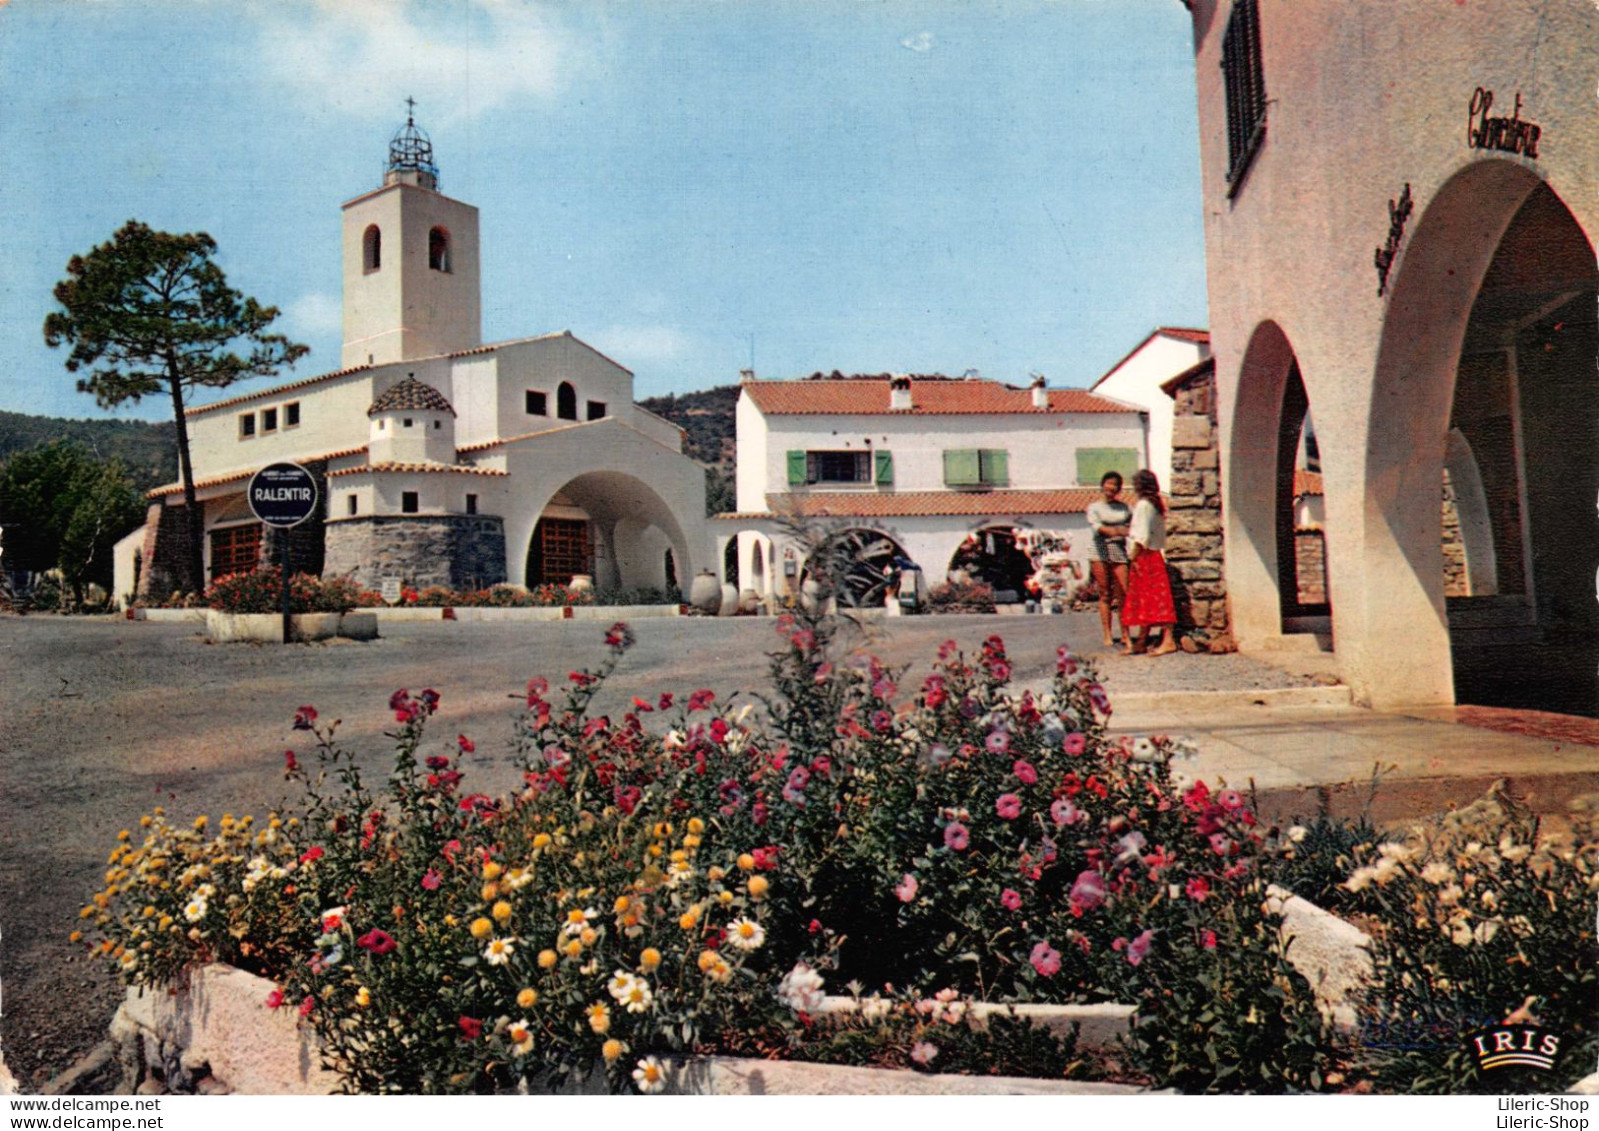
[410, 395]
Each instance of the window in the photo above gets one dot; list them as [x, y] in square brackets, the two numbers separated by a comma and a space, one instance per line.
[269, 420]
[350, 505]
[246, 425]
[408, 422]
[437, 424]
[291, 414]
[1246, 90]
[976, 467]
[537, 404]
[471, 504]
[829, 467]
[408, 502]
[439, 250]
[371, 250]
[235, 549]
[566, 401]
[596, 410]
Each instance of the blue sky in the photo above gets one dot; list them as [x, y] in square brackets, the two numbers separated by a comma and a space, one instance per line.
[859, 185]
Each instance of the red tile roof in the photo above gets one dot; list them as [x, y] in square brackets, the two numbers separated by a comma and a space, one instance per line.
[868, 396]
[232, 476]
[909, 504]
[410, 468]
[1170, 387]
[1306, 482]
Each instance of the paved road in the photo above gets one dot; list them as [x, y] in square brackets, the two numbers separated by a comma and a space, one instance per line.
[103, 719]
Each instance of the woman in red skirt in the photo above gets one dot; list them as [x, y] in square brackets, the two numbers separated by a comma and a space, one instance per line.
[1148, 604]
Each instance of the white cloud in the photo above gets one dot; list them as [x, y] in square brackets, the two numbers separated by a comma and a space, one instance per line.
[362, 57]
[313, 315]
[633, 346]
[921, 41]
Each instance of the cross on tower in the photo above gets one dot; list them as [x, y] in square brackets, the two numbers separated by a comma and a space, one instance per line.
[410, 111]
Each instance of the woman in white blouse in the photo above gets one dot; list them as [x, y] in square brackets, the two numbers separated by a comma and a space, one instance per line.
[1149, 601]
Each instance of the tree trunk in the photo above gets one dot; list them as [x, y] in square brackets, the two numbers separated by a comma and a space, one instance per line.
[195, 520]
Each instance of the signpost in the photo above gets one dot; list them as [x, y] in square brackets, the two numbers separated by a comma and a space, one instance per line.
[283, 495]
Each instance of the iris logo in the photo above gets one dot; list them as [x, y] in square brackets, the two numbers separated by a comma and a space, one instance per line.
[1504, 1046]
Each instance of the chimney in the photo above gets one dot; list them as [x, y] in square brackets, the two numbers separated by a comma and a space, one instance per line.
[899, 393]
[1040, 394]
[745, 376]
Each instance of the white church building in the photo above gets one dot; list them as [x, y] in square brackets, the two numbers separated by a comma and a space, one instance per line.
[441, 460]
[952, 474]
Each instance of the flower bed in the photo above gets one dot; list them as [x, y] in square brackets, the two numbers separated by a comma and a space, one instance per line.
[691, 878]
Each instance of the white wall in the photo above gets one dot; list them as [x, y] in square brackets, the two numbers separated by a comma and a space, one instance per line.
[1043, 448]
[1137, 380]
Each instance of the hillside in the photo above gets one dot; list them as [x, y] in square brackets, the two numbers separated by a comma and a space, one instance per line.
[707, 418]
[149, 451]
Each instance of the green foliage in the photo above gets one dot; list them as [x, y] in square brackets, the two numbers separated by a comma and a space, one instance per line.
[261, 591]
[148, 451]
[151, 313]
[62, 509]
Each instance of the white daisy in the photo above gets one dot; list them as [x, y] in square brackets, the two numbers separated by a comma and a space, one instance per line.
[499, 951]
[649, 1076]
[195, 910]
[520, 1034]
[746, 934]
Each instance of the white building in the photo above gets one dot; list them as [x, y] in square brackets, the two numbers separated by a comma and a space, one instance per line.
[441, 460]
[936, 462]
[1137, 379]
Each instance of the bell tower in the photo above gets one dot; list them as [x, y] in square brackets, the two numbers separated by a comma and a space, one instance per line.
[410, 262]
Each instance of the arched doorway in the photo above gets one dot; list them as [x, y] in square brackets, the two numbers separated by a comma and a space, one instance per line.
[994, 556]
[1487, 383]
[1303, 592]
[612, 524]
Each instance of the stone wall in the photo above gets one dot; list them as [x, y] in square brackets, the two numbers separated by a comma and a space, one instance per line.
[456, 551]
[166, 539]
[1193, 520]
[1454, 549]
[1310, 559]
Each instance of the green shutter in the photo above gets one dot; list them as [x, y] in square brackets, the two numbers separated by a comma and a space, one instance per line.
[1093, 463]
[796, 469]
[962, 468]
[996, 466]
[885, 467]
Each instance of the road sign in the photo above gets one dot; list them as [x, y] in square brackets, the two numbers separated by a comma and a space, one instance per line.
[282, 494]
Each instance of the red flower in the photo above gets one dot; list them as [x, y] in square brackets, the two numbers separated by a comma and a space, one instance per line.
[471, 1027]
[1207, 939]
[641, 704]
[466, 744]
[307, 1006]
[1198, 889]
[304, 717]
[431, 879]
[765, 858]
[378, 942]
[537, 686]
[582, 679]
[312, 854]
[1196, 797]
[289, 762]
[816, 927]
[274, 1000]
[665, 703]
[701, 699]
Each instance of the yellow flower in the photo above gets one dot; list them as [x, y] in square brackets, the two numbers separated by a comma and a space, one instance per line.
[587, 936]
[528, 998]
[679, 855]
[542, 840]
[708, 959]
[726, 897]
[490, 891]
[75, 936]
[502, 911]
[85, 913]
[650, 959]
[599, 1017]
[716, 873]
[163, 923]
[663, 829]
[363, 997]
[611, 1049]
[746, 861]
[656, 850]
[450, 920]
[689, 920]
[199, 823]
[691, 841]
[124, 835]
[482, 927]
[720, 971]
[547, 959]
[491, 870]
[758, 886]
[145, 821]
[696, 826]
[573, 948]
[621, 904]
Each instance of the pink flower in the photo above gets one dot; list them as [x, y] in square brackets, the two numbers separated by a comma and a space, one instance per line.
[1008, 806]
[1065, 662]
[956, 836]
[906, 888]
[304, 717]
[1064, 813]
[1198, 889]
[307, 1006]
[312, 854]
[1045, 959]
[1075, 743]
[1207, 939]
[1139, 947]
[1230, 800]
[1000, 670]
[1024, 772]
[804, 640]
[998, 742]
[431, 879]
[1088, 891]
[1220, 844]
[378, 942]
[1011, 898]
[274, 1000]
[923, 1052]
